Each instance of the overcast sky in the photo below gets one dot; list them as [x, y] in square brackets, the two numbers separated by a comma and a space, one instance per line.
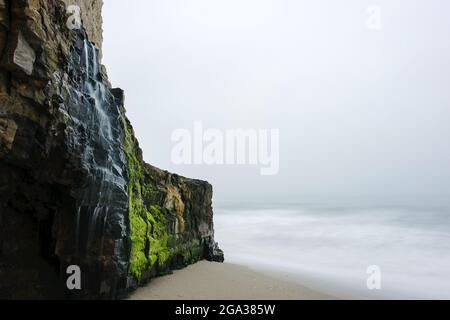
[361, 112]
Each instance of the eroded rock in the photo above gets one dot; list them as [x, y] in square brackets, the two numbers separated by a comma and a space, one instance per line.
[21, 56]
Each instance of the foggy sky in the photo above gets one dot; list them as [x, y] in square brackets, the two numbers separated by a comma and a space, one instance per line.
[361, 113]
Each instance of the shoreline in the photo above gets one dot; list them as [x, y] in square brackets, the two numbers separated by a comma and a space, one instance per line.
[224, 281]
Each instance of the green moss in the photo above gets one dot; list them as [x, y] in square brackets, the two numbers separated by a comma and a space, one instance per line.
[158, 236]
[196, 252]
[138, 226]
[138, 236]
[152, 247]
[148, 225]
[150, 194]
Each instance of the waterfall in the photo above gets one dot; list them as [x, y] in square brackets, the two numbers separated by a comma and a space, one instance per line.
[77, 230]
[96, 90]
[86, 60]
[95, 69]
[100, 153]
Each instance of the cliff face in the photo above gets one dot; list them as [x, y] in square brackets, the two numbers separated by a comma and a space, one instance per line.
[74, 187]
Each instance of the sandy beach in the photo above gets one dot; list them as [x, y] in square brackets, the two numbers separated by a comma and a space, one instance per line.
[215, 281]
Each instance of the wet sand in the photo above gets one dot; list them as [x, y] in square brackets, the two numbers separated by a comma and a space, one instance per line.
[216, 281]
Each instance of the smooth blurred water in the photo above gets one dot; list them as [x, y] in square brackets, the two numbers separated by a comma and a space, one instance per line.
[330, 248]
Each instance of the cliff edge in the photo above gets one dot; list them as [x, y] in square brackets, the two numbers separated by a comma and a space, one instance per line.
[74, 189]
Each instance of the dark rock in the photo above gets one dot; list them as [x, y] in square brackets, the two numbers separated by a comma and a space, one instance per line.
[214, 253]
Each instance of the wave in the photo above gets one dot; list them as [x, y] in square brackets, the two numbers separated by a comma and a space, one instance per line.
[331, 249]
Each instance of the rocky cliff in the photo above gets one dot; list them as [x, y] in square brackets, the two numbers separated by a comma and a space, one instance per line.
[74, 189]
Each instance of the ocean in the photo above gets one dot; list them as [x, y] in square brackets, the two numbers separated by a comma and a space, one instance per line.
[330, 248]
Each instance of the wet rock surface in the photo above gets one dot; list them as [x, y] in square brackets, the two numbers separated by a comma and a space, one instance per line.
[74, 189]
